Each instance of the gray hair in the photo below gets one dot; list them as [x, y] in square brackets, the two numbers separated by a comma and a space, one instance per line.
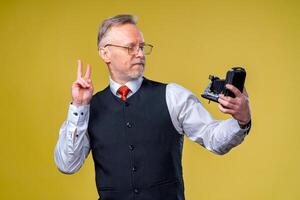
[108, 23]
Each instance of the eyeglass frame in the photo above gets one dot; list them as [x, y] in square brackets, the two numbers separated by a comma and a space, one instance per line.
[132, 48]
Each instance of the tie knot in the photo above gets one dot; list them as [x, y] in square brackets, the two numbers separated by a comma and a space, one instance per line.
[123, 91]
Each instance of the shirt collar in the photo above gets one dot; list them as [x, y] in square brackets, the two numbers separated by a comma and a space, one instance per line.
[133, 85]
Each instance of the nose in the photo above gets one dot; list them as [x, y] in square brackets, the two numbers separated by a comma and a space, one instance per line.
[140, 52]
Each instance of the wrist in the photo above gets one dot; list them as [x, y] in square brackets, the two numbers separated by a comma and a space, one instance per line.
[244, 125]
[77, 104]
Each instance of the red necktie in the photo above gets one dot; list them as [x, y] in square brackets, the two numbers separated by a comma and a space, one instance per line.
[123, 91]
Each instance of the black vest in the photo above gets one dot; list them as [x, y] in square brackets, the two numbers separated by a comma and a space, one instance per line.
[136, 149]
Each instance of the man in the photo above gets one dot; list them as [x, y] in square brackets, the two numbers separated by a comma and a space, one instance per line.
[135, 126]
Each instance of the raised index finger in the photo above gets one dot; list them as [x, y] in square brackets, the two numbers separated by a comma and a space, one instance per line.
[233, 89]
[79, 69]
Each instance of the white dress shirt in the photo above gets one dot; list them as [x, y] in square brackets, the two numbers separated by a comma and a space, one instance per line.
[188, 116]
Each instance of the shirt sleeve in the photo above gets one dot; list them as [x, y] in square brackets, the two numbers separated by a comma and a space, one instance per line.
[73, 144]
[189, 117]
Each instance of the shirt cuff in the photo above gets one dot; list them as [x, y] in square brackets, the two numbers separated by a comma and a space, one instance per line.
[245, 130]
[79, 114]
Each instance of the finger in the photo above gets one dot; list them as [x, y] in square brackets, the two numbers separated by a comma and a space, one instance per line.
[227, 104]
[225, 110]
[82, 83]
[245, 92]
[88, 72]
[234, 90]
[228, 98]
[79, 69]
[85, 82]
[79, 83]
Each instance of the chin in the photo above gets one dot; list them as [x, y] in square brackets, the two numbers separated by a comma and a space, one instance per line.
[136, 73]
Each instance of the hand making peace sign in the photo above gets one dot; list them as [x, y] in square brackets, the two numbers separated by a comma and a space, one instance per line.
[82, 88]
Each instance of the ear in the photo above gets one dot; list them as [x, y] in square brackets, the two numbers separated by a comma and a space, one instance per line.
[104, 54]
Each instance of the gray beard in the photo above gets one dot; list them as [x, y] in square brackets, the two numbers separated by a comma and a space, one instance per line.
[136, 75]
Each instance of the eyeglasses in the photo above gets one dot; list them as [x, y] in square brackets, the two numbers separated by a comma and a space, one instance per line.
[145, 48]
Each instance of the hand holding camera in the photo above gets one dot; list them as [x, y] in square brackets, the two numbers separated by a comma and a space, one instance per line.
[230, 94]
[238, 106]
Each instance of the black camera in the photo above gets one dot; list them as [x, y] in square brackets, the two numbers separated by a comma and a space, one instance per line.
[235, 76]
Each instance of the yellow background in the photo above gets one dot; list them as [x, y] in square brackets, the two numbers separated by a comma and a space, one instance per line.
[41, 41]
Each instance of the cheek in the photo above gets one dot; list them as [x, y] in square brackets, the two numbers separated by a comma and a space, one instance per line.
[122, 62]
[126, 63]
[117, 61]
[121, 65]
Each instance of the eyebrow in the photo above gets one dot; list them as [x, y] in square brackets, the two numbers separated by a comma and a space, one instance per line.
[133, 44]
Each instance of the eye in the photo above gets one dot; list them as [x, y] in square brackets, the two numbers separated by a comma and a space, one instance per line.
[131, 48]
[142, 47]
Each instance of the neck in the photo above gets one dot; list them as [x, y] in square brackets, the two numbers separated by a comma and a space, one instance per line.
[121, 80]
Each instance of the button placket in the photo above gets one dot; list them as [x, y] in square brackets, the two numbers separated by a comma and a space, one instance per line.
[131, 147]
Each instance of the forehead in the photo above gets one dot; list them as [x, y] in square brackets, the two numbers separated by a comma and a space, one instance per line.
[125, 34]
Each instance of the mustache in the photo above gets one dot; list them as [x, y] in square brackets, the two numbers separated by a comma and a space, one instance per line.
[141, 62]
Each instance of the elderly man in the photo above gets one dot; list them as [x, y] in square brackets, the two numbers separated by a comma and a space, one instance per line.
[135, 126]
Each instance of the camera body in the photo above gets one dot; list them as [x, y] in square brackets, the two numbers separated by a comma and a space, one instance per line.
[235, 76]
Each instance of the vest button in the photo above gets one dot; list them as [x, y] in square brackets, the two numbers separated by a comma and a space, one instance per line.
[136, 191]
[128, 124]
[131, 147]
[126, 104]
[134, 169]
